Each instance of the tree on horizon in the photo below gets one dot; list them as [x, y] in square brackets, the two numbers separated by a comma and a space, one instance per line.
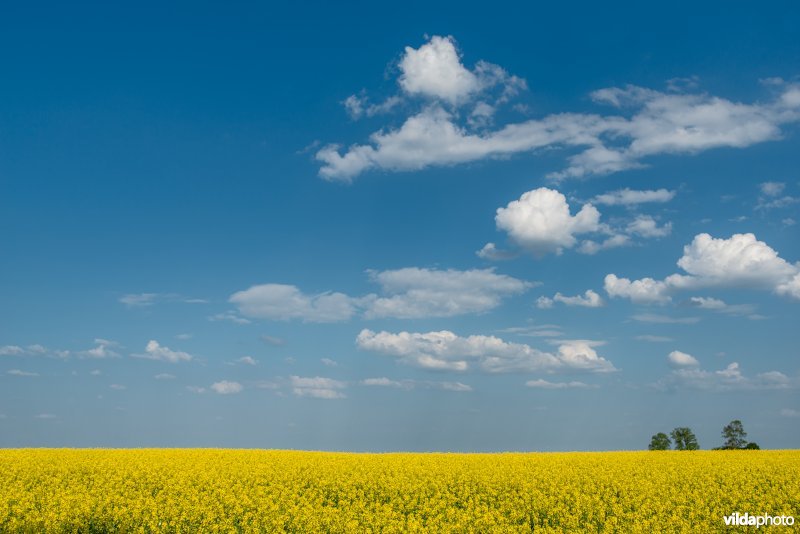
[659, 442]
[684, 439]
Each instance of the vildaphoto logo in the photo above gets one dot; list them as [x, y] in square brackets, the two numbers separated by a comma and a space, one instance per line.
[745, 519]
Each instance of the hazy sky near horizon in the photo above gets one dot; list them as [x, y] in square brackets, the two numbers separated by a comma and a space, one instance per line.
[455, 227]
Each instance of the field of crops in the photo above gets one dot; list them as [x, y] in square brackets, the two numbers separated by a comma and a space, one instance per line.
[172, 490]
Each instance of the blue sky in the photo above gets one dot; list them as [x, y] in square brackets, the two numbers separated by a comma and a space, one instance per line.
[428, 228]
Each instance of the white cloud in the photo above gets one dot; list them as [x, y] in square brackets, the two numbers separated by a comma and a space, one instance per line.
[435, 71]
[542, 330]
[644, 291]
[104, 349]
[445, 351]
[415, 293]
[283, 302]
[739, 261]
[707, 303]
[593, 247]
[540, 221]
[630, 197]
[18, 372]
[544, 384]
[229, 316]
[680, 359]
[33, 350]
[196, 389]
[646, 226]
[717, 305]
[492, 253]
[589, 299]
[359, 106]
[386, 382]
[729, 379]
[272, 340]
[408, 384]
[118, 387]
[44, 416]
[247, 360]
[772, 189]
[155, 351]
[317, 387]
[328, 362]
[133, 300]
[647, 123]
[164, 376]
[663, 319]
[453, 386]
[406, 293]
[95, 372]
[790, 412]
[225, 387]
[654, 339]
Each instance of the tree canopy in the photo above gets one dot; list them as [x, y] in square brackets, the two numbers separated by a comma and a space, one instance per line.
[684, 439]
[660, 442]
[734, 435]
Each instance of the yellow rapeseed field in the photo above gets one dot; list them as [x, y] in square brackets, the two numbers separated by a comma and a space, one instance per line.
[210, 490]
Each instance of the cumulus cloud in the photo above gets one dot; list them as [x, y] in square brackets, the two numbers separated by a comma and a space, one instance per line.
[679, 359]
[654, 339]
[643, 123]
[646, 226]
[656, 318]
[541, 222]
[739, 261]
[408, 384]
[544, 384]
[225, 387]
[771, 196]
[772, 189]
[729, 379]
[133, 300]
[229, 316]
[406, 293]
[272, 340]
[164, 376]
[720, 306]
[359, 106]
[104, 349]
[415, 293]
[247, 360]
[33, 350]
[446, 351]
[589, 299]
[155, 351]
[282, 302]
[317, 387]
[140, 300]
[19, 372]
[631, 197]
[435, 71]
[492, 253]
[644, 291]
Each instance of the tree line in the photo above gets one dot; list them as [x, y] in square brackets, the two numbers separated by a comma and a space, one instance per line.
[684, 439]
